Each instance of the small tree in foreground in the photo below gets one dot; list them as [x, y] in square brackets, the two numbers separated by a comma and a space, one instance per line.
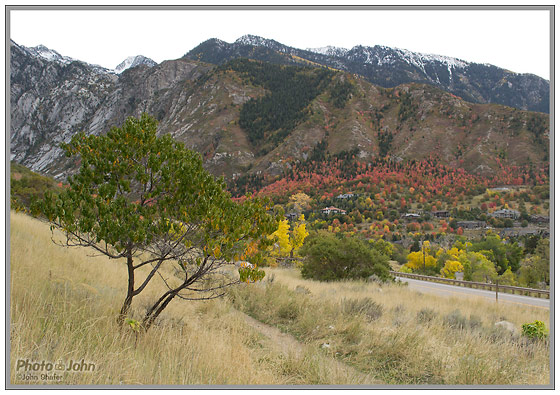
[148, 201]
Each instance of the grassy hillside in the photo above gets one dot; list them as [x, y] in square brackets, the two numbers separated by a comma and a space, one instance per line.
[400, 336]
[63, 305]
[27, 186]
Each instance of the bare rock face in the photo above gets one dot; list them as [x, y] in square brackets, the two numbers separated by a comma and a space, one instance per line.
[51, 100]
[54, 97]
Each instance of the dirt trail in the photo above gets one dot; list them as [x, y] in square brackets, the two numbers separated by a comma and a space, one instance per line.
[280, 341]
[288, 345]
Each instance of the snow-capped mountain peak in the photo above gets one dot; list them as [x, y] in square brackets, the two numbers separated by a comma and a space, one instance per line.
[257, 41]
[329, 50]
[250, 39]
[133, 61]
[50, 54]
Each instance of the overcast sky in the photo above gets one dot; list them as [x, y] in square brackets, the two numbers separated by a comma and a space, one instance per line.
[515, 40]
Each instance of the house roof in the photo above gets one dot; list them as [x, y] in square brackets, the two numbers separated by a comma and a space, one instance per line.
[333, 209]
[505, 211]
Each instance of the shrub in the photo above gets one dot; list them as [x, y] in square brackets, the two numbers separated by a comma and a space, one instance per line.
[370, 309]
[426, 315]
[455, 320]
[535, 330]
[329, 258]
[475, 321]
[289, 310]
[382, 271]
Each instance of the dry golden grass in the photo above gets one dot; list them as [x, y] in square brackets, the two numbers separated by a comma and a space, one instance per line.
[408, 337]
[64, 305]
[393, 297]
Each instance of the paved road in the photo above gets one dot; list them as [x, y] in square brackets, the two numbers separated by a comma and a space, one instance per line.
[453, 290]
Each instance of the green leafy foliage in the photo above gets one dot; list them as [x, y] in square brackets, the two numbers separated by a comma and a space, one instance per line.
[148, 200]
[535, 268]
[329, 258]
[133, 324]
[535, 330]
[504, 255]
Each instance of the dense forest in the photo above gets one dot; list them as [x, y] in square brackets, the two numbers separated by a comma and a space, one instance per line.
[269, 119]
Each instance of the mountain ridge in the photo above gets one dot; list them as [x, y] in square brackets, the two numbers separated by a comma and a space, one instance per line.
[389, 67]
[212, 109]
[52, 55]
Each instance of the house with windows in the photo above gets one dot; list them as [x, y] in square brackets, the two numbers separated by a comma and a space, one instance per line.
[505, 213]
[471, 224]
[440, 214]
[332, 210]
[539, 219]
[346, 196]
[291, 216]
[411, 216]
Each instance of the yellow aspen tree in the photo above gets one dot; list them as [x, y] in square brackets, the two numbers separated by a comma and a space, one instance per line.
[287, 242]
[298, 235]
[417, 260]
[282, 245]
[450, 268]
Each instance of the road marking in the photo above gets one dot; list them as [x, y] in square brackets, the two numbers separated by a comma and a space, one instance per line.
[481, 295]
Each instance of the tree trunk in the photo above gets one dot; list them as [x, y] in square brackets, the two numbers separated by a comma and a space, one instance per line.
[130, 289]
[153, 313]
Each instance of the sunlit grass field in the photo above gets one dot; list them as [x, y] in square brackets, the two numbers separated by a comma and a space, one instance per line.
[64, 303]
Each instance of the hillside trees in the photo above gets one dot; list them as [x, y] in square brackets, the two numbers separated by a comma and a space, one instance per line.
[340, 92]
[26, 187]
[146, 201]
[535, 268]
[385, 139]
[505, 255]
[269, 119]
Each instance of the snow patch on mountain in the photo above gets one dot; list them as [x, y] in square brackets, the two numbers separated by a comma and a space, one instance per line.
[329, 50]
[250, 39]
[133, 61]
[420, 59]
[49, 54]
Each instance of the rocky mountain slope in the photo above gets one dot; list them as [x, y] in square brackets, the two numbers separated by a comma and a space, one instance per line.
[249, 117]
[389, 67]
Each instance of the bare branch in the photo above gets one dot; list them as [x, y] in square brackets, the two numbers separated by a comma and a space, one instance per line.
[216, 296]
[75, 239]
[214, 288]
[148, 278]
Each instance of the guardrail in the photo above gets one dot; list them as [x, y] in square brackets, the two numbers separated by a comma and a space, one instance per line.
[471, 284]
